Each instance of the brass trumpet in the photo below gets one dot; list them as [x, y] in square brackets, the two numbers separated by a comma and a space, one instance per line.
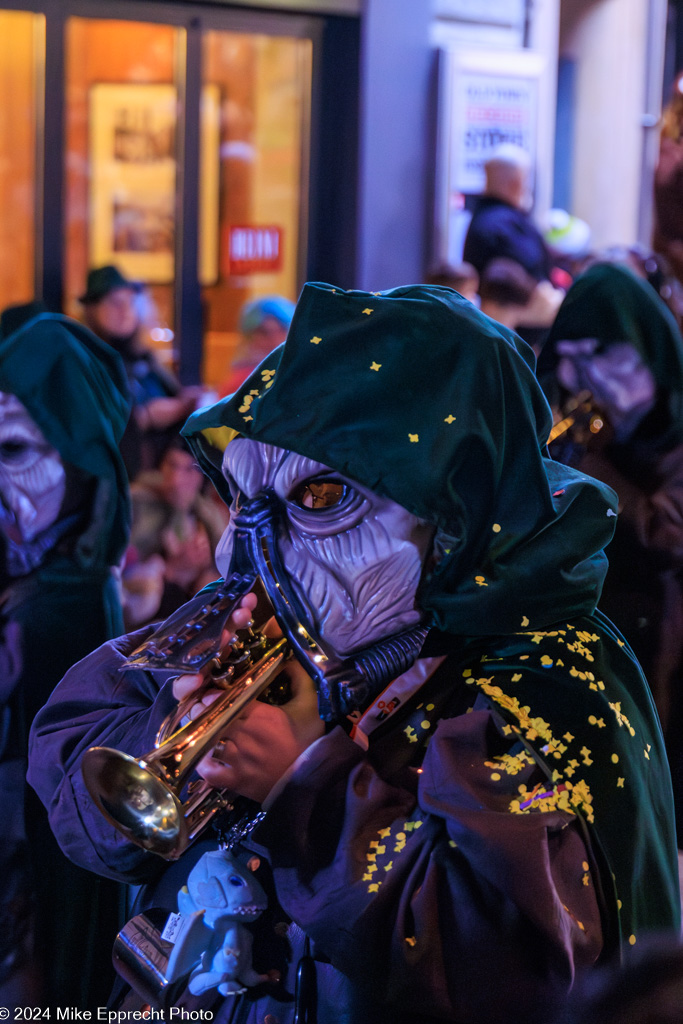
[579, 415]
[141, 796]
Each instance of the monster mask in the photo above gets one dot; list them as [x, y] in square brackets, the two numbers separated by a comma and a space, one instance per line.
[353, 560]
[32, 484]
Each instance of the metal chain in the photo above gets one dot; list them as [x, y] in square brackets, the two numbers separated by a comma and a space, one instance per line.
[229, 837]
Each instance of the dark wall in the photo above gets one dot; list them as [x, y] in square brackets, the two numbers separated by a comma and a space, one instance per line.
[334, 155]
[396, 160]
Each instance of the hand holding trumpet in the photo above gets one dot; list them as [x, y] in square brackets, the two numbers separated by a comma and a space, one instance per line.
[260, 745]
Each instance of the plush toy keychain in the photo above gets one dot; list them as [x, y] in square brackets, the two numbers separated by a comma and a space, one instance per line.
[220, 895]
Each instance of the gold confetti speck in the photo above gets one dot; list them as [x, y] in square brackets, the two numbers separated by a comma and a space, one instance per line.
[585, 865]
[367, 312]
[375, 366]
[424, 724]
[615, 758]
[525, 621]
[620, 783]
[450, 418]
[480, 581]
[316, 340]
[411, 940]
[414, 438]
[631, 940]
[495, 776]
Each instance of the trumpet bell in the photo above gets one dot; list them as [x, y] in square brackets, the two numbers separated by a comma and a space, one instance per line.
[136, 801]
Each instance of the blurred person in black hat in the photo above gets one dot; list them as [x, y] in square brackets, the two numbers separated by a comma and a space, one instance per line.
[111, 306]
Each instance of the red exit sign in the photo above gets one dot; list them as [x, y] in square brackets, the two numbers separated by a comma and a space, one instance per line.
[254, 250]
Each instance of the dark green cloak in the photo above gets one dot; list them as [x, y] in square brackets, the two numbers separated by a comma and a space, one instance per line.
[418, 396]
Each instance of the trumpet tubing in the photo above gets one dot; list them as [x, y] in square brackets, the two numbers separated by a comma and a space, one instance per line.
[141, 796]
[580, 415]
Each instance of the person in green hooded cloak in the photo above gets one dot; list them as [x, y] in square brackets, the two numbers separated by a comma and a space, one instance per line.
[466, 802]
[64, 520]
[614, 360]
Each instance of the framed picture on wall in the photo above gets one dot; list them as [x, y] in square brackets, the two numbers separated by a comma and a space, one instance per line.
[132, 153]
[486, 98]
[494, 100]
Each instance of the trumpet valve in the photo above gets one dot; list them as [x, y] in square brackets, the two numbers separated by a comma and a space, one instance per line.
[242, 650]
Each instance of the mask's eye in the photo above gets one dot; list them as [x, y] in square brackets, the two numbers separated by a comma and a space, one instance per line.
[17, 453]
[319, 494]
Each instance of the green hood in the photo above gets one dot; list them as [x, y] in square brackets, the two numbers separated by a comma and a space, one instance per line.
[418, 396]
[75, 388]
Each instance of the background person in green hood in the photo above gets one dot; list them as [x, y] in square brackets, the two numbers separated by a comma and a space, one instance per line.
[63, 528]
[485, 809]
[615, 342]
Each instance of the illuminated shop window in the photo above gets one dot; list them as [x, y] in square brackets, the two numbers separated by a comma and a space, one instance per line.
[22, 49]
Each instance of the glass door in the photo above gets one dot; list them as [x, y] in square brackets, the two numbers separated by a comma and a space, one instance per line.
[253, 180]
